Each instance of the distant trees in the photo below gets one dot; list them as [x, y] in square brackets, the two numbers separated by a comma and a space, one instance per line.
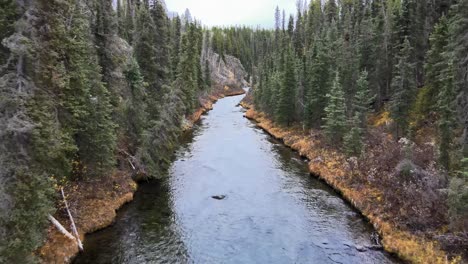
[403, 58]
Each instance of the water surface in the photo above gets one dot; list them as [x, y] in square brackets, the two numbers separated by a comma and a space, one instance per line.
[274, 211]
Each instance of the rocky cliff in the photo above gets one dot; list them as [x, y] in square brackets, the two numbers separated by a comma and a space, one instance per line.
[225, 70]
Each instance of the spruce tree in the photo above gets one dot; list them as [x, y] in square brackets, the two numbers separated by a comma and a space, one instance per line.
[8, 15]
[135, 107]
[286, 104]
[458, 29]
[94, 131]
[186, 73]
[317, 84]
[362, 100]
[175, 46]
[353, 138]
[161, 46]
[146, 52]
[446, 109]
[335, 116]
[436, 63]
[404, 89]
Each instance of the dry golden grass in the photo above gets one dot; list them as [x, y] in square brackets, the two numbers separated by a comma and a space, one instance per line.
[333, 168]
[94, 206]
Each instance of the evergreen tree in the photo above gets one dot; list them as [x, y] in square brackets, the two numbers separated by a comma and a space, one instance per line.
[135, 107]
[331, 11]
[146, 54]
[186, 73]
[353, 138]
[161, 48]
[317, 84]
[404, 87]
[8, 14]
[362, 100]
[94, 130]
[458, 196]
[335, 116]
[458, 29]
[446, 109]
[286, 105]
[175, 47]
[436, 63]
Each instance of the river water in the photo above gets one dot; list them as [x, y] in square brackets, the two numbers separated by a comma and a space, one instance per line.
[273, 212]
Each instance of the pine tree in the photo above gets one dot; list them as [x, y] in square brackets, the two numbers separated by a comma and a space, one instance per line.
[362, 100]
[317, 84]
[8, 15]
[436, 63]
[146, 53]
[313, 22]
[95, 131]
[286, 105]
[129, 22]
[404, 87]
[446, 109]
[458, 29]
[161, 46]
[135, 107]
[186, 73]
[175, 46]
[353, 139]
[331, 11]
[290, 27]
[458, 197]
[335, 116]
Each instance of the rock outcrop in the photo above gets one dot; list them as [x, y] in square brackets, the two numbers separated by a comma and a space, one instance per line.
[226, 70]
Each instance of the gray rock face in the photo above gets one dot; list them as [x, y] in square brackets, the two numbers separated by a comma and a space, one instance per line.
[227, 72]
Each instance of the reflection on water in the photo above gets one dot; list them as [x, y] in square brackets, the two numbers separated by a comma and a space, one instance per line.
[274, 211]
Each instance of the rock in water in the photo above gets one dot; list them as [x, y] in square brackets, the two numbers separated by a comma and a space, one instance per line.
[218, 197]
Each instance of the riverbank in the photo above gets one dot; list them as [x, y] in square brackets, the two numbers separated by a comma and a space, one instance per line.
[363, 182]
[94, 203]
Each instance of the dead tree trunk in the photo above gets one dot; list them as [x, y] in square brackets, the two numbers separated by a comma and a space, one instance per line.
[73, 226]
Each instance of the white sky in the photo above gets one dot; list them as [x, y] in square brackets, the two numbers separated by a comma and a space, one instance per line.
[233, 12]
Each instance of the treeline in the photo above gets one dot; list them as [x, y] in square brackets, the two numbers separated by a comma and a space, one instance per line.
[82, 83]
[331, 65]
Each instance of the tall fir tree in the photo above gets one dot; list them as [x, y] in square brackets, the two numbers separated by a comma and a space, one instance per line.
[335, 115]
[404, 89]
[286, 105]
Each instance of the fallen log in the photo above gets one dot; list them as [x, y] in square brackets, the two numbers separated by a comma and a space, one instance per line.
[60, 228]
[73, 226]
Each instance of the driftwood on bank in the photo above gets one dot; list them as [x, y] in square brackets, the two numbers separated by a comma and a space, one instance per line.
[60, 227]
[73, 226]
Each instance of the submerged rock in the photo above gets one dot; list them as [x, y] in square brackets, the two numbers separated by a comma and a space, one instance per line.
[218, 197]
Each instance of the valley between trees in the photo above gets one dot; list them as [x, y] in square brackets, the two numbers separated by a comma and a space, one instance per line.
[94, 96]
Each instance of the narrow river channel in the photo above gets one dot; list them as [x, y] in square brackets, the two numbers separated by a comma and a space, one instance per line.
[273, 212]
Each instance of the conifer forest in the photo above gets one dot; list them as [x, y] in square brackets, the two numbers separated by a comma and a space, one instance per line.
[98, 98]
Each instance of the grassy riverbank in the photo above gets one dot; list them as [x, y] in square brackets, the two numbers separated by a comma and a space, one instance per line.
[367, 192]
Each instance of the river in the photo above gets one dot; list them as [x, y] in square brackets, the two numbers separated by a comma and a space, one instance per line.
[273, 212]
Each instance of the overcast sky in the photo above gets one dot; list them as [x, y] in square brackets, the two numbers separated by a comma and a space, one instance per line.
[233, 12]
